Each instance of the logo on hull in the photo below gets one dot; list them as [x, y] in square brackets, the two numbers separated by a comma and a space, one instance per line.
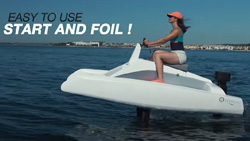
[228, 101]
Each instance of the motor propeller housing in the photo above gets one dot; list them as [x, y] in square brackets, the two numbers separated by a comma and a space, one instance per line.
[222, 78]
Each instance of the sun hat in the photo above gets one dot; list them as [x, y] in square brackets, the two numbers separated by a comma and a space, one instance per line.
[176, 14]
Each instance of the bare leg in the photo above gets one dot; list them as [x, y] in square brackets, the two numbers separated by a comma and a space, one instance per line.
[164, 56]
[157, 52]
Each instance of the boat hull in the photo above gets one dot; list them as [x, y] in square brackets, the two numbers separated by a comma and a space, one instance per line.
[147, 94]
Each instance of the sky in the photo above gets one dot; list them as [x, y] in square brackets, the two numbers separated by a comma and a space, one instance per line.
[212, 22]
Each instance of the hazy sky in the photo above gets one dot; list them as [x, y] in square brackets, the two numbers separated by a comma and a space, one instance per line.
[212, 22]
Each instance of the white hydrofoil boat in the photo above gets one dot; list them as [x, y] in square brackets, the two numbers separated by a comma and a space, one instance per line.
[131, 84]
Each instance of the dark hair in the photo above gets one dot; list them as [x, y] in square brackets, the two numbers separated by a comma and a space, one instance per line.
[181, 24]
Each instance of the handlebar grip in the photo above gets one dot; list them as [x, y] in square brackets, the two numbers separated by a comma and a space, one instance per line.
[144, 43]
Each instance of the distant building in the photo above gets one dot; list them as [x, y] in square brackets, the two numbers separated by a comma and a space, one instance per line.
[87, 43]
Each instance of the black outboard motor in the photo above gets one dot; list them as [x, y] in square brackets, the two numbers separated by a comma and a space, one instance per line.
[222, 78]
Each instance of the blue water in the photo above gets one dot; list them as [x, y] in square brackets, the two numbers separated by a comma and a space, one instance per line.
[32, 106]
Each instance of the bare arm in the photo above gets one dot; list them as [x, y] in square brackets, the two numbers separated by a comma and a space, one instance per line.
[171, 35]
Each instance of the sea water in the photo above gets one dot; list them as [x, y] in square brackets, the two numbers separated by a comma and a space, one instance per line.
[32, 106]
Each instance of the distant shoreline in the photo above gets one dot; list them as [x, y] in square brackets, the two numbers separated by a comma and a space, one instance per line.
[232, 47]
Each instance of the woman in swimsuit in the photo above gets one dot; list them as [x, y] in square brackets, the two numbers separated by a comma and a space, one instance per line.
[177, 54]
